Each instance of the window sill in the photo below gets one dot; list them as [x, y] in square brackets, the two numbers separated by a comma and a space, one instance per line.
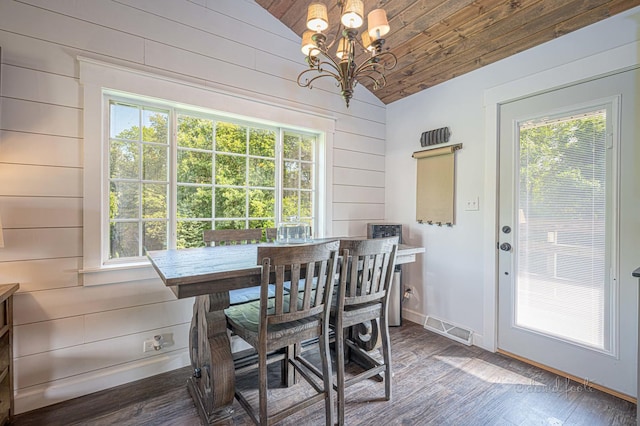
[117, 273]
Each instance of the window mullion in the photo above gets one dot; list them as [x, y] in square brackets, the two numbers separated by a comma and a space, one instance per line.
[299, 189]
[246, 178]
[106, 184]
[279, 173]
[214, 163]
[140, 186]
[173, 179]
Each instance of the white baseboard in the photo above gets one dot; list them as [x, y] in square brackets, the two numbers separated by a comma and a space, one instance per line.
[44, 394]
[413, 316]
[478, 341]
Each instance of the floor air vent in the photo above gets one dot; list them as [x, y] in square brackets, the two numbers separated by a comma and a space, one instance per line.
[451, 331]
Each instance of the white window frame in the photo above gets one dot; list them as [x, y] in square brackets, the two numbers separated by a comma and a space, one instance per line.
[99, 77]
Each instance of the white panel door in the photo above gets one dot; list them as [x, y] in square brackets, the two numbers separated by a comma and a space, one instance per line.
[568, 230]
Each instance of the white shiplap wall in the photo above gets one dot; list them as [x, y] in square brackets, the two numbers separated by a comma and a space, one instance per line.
[71, 340]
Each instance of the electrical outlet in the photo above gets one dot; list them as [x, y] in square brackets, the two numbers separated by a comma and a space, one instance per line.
[148, 346]
[164, 340]
[472, 204]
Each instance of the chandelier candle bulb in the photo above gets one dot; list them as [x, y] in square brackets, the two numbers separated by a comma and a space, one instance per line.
[366, 41]
[308, 45]
[317, 19]
[378, 24]
[342, 50]
[353, 16]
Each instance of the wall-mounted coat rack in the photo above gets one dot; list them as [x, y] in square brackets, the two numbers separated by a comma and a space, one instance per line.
[435, 186]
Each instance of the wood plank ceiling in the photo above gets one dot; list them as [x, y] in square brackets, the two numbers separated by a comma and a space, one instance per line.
[437, 40]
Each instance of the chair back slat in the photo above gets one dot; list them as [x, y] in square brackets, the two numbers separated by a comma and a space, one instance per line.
[380, 270]
[308, 279]
[219, 237]
[322, 284]
[294, 287]
[279, 282]
[369, 268]
[307, 269]
[270, 234]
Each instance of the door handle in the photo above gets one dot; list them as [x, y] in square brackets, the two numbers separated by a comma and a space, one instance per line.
[505, 247]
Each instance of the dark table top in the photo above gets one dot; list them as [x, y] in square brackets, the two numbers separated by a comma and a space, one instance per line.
[190, 272]
[636, 273]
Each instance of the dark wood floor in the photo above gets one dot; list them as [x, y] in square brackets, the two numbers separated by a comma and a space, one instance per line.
[436, 382]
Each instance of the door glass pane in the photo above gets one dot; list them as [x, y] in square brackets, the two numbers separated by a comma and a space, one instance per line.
[561, 285]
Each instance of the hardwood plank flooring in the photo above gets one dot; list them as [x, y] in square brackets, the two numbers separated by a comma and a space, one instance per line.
[436, 382]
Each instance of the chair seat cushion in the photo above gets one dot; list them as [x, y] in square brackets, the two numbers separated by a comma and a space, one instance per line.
[243, 320]
[356, 314]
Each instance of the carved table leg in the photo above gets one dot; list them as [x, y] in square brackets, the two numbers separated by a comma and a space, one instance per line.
[212, 386]
[366, 335]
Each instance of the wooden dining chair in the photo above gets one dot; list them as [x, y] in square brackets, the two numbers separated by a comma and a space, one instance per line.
[218, 237]
[288, 319]
[366, 275]
[270, 234]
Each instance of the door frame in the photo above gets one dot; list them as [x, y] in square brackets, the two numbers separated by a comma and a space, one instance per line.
[605, 63]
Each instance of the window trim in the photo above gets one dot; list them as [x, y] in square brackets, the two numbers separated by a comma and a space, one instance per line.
[98, 77]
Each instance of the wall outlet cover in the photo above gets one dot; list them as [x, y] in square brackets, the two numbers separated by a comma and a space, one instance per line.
[472, 204]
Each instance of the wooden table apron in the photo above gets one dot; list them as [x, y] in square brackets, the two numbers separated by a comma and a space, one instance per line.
[208, 273]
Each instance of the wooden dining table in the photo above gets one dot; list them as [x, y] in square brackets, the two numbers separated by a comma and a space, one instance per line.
[208, 274]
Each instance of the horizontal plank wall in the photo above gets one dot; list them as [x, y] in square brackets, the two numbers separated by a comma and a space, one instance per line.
[72, 340]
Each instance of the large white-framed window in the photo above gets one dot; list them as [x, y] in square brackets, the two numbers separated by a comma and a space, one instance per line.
[175, 172]
[301, 173]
